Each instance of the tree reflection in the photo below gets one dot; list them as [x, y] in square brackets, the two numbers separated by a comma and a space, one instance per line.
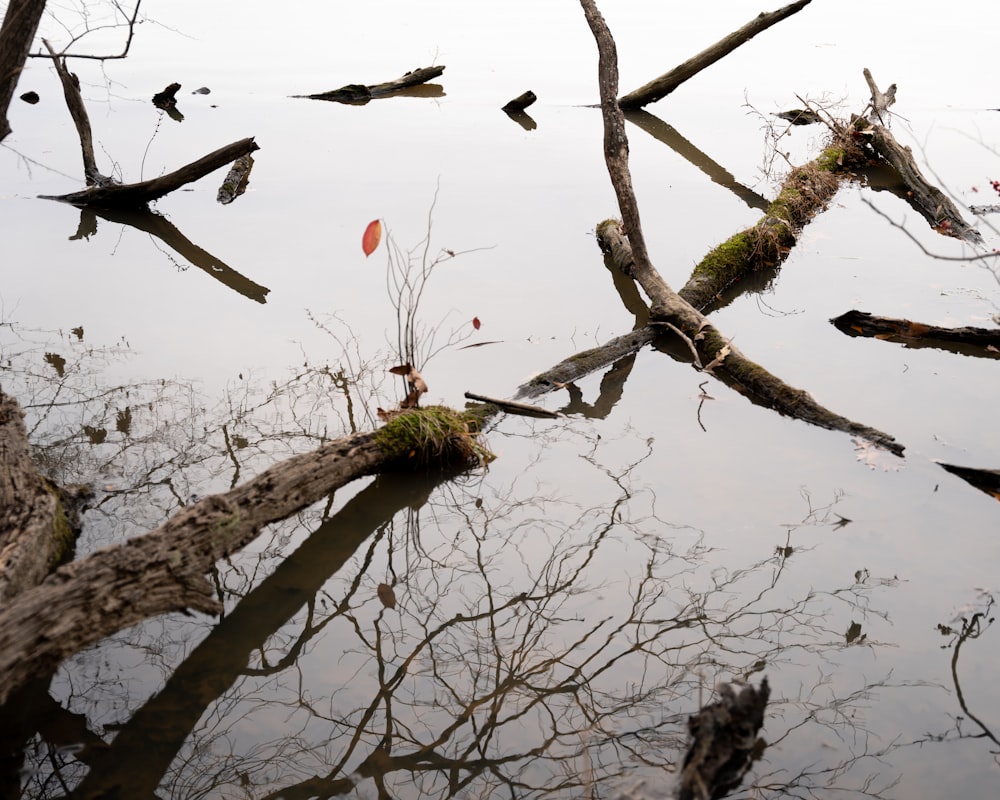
[539, 648]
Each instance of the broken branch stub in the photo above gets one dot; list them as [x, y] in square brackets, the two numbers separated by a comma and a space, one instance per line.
[359, 94]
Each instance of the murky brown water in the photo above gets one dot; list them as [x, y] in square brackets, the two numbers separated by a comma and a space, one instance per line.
[562, 612]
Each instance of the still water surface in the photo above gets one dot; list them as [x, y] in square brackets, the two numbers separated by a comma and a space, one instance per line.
[562, 612]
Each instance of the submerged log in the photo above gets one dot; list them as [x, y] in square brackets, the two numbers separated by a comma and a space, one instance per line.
[165, 570]
[861, 323]
[660, 87]
[931, 202]
[711, 351]
[359, 94]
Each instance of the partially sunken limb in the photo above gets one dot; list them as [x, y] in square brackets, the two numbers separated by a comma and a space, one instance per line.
[34, 531]
[521, 102]
[137, 195]
[586, 362]
[357, 93]
[660, 87]
[236, 181]
[931, 202]
[709, 347]
[880, 101]
[982, 342]
[513, 407]
[74, 102]
[20, 23]
[163, 571]
[986, 480]
[804, 193]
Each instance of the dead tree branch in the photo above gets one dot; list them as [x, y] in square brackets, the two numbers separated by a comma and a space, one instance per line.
[660, 87]
[728, 363]
[163, 571]
[106, 192]
[982, 342]
[20, 24]
[359, 94]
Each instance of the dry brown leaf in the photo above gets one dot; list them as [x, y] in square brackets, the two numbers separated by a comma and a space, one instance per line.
[386, 595]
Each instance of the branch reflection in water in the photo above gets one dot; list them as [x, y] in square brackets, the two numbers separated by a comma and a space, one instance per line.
[538, 646]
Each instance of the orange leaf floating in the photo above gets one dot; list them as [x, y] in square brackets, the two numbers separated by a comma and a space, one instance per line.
[386, 595]
[373, 235]
[476, 323]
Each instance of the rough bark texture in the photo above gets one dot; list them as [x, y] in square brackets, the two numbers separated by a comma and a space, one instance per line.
[105, 192]
[665, 84]
[137, 195]
[357, 93]
[723, 742]
[34, 532]
[163, 571]
[937, 209]
[20, 24]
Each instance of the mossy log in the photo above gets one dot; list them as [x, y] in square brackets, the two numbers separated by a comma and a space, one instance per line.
[164, 571]
[660, 87]
[35, 533]
[711, 351]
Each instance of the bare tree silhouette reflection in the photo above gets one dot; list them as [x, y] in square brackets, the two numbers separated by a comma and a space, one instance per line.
[540, 645]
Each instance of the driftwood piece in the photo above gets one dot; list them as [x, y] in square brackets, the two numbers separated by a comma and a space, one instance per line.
[34, 531]
[359, 94]
[931, 202]
[986, 480]
[20, 23]
[512, 406]
[85, 601]
[521, 102]
[167, 98]
[236, 181]
[137, 195]
[984, 342]
[660, 87]
[724, 742]
[106, 192]
[880, 101]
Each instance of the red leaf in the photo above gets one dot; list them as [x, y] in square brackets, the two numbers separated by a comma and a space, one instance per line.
[373, 235]
[476, 323]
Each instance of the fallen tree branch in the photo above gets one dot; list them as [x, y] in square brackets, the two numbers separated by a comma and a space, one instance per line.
[103, 191]
[359, 94]
[163, 571]
[512, 406]
[931, 202]
[660, 87]
[983, 342]
[20, 23]
[137, 195]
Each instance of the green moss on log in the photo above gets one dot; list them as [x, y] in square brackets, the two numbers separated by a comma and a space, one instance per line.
[436, 436]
